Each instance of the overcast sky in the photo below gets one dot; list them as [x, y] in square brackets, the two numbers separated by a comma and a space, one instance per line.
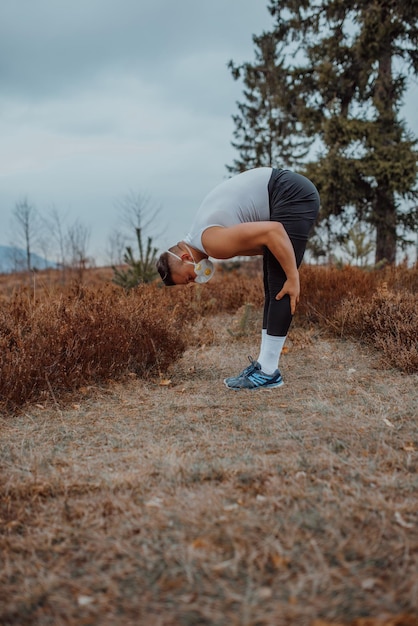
[102, 97]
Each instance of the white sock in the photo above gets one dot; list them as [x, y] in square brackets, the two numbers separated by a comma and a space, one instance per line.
[263, 342]
[270, 351]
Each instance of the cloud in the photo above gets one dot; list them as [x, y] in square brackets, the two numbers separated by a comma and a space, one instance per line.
[55, 46]
[104, 96]
[99, 97]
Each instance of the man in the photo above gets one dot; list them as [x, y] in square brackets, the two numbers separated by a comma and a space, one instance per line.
[264, 211]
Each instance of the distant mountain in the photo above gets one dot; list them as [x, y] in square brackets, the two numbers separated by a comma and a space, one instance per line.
[14, 260]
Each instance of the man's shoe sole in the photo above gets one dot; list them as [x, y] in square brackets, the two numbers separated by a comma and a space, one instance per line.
[273, 386]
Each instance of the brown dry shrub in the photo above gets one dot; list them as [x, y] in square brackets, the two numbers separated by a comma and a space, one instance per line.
[225, 294]
[378, 307]
[388, 322]
[81, 337]
[58, 339]
[63, 339]
[323, 289]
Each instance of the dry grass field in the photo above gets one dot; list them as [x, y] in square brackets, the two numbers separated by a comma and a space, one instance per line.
[169, 500]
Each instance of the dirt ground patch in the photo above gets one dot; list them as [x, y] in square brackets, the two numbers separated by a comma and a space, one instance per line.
[179, 502]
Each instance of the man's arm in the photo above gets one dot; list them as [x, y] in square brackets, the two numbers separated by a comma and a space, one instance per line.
[224, 243]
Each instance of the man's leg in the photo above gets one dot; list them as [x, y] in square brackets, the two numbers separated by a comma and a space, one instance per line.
[276, 321]
[277, 316]
[294, 202]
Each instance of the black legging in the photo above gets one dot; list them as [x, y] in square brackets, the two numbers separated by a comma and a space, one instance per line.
[294, 202]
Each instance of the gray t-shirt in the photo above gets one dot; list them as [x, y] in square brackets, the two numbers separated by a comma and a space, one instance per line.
[242, 198]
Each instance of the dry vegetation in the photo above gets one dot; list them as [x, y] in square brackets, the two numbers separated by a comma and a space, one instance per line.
[54, 339]
[136, 489]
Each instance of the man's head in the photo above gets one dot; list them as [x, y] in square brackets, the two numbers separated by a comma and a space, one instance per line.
[176, 266]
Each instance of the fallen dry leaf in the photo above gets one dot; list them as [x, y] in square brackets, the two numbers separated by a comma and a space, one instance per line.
[279, 561]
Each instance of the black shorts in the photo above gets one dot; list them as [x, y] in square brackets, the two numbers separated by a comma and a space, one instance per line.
[294, 202]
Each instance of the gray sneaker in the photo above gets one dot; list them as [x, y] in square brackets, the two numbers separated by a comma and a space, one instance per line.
[254, 378]
[251, 367]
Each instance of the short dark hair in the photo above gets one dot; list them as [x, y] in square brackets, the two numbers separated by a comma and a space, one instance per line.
[164, 270]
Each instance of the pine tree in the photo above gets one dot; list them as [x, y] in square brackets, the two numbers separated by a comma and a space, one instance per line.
[345, 67]
[358, 245]
[142, 270]
[267, 131]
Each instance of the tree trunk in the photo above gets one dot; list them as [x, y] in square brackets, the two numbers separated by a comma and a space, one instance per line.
[385, 215]
[28, 259]
[385, 211]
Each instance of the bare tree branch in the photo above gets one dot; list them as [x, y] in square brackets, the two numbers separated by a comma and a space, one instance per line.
[27, 228]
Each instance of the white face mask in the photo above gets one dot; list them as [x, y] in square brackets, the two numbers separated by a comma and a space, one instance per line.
[204, 269]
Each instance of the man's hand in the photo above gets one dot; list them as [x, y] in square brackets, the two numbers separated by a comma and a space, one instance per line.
[292, 288]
